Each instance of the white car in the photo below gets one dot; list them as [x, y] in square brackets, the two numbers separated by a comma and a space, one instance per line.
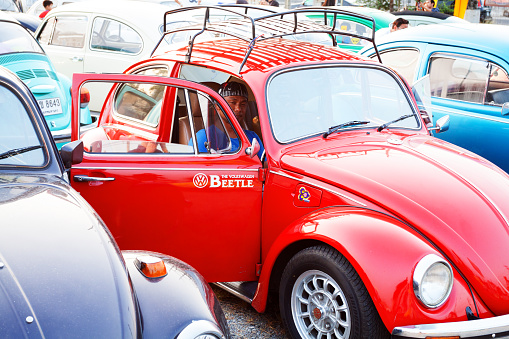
[102, 36]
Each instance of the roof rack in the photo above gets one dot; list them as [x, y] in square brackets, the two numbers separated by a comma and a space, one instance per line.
[273, 25]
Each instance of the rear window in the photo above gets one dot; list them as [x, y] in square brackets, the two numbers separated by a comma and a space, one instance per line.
[16, 39]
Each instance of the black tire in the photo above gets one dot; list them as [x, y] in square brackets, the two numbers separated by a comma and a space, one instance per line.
[332, 300]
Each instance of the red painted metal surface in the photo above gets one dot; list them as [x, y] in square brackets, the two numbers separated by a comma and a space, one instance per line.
[384, 206]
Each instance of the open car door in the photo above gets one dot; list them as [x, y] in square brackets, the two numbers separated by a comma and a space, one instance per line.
[156, 190]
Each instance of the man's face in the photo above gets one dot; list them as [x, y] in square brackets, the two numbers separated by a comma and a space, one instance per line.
[427, 5]
[238, 104]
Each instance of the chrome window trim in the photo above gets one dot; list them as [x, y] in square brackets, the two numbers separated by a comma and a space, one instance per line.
[319, 186]
[380, 67]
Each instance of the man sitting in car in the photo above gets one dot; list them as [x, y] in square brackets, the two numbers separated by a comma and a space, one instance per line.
[236, 95]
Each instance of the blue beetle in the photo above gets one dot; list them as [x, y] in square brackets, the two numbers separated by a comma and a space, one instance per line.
[468, 67]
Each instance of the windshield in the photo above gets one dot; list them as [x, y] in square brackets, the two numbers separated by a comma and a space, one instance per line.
[307, 102]
[19, 141]
[15, 39]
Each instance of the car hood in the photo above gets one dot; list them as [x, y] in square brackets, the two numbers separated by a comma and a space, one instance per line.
[61, 273]
[453, 197]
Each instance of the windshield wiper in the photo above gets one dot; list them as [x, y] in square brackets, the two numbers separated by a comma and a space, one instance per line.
[403, 117]
[16, 151]
[346, 124]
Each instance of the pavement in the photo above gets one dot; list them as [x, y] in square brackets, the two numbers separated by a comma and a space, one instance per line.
[245, 322]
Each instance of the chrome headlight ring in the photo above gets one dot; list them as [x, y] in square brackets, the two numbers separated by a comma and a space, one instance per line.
[201, 329]
[432, 281]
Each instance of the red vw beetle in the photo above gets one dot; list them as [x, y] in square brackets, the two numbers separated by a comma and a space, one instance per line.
[361, 223]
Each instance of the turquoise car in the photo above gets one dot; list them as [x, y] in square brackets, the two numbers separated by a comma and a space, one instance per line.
[22, 54]
[468, 67]
[355, 25]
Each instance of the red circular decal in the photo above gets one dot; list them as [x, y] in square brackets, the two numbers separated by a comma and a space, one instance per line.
[317, 313]
[200, 180]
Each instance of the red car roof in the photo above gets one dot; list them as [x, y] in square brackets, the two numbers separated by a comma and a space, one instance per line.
[228, 54]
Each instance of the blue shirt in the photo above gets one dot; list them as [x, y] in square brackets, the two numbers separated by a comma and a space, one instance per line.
[219, 140]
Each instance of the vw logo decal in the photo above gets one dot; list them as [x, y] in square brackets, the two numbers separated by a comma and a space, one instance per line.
[200, 180]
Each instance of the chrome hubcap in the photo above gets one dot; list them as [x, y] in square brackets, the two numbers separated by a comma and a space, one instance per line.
[319, 307]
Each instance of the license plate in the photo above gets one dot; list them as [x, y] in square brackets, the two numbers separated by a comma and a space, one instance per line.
[50, 106]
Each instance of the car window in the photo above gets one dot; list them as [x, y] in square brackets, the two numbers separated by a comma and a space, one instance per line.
[309, 101]
[70, 31]
[458, 78]
[404, 61]
[195, 123]
[210, 127]
[8, 5]
[498, 86]
[16, 39]
[17, 131]
[115, 36]
[47, 29]
[140, 102]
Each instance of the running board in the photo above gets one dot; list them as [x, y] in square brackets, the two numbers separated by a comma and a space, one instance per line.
[244, 290]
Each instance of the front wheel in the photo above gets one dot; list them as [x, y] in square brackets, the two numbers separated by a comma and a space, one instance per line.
[321, 296]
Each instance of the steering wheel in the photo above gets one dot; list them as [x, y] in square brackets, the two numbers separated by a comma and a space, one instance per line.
[97, 39]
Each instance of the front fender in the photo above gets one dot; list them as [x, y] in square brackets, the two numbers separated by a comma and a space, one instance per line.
[383, 250]
[178, 305]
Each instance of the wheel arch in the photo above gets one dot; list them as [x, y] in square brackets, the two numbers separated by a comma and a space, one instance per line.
[382, 249]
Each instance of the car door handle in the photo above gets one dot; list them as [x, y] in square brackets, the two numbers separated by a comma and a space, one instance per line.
[76, 59]
[84, 178]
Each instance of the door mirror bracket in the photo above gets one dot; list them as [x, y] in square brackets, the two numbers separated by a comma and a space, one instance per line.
[253, 149]
[442, 124]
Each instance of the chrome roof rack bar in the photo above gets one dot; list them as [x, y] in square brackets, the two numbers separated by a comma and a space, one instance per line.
[282, 23]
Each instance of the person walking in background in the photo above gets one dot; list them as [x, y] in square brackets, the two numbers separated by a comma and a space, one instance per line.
[48, 6]
[329, 3]
[418, 5]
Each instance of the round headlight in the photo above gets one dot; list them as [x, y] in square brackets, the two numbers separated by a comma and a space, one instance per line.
[201, 329]
[432, 281]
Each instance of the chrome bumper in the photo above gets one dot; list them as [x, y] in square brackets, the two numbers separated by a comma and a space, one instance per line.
[496, 327]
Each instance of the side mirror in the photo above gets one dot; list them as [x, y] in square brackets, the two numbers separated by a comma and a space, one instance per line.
[72, 153]
[253, 149]
[442, 124]
[505, 108]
